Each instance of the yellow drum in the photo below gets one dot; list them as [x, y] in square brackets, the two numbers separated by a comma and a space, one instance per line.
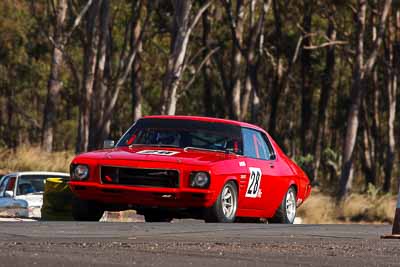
[57, 200]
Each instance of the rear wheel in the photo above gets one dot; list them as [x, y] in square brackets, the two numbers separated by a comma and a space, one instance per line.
[224, 208]
[155, 215]
[83, 210]
[286, 213]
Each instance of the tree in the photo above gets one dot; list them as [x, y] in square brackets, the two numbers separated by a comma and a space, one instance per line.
[362, 69]
[137, 75]
[208, 86]
[103, 78]
[252, 53]
[327, 84]
[244, 48]
[55, 84]
[393, 60]
[90, 46]
[306, 80]
[58, 39]
[181, 31]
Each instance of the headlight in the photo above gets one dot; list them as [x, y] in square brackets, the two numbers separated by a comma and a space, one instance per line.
[79, 172]
[199, 179]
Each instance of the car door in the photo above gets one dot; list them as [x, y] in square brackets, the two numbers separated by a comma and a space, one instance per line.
[7, 188]
[259, 163]
[7, 191]
[279, 175]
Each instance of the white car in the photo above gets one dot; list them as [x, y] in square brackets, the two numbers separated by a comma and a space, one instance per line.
[26, 186]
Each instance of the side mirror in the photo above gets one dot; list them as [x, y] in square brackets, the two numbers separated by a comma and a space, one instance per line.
[108, 144]
[9, 193]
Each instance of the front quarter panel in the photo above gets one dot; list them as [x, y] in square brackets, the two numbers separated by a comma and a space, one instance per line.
[229, 170]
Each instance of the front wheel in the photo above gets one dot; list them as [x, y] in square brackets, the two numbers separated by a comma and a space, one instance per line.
[83, 210]
[286, 213]
[224, 208]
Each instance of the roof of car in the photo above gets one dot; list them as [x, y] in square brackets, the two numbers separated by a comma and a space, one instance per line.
[39, 173]
[206, 119]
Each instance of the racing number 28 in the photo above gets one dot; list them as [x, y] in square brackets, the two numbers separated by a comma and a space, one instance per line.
[254, 182]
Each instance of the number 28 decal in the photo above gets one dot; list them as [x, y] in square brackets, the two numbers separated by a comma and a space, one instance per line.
[254, 182]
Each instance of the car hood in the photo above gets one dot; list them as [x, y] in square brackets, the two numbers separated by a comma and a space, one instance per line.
[158, 154]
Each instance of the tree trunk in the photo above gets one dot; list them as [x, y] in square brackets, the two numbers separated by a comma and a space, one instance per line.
[236, 62]
[253, 47]
[256, 112]
[374, 135]
[179, 43]
[89, 67]
[367, 160]
[102, 79]
[278, 70]
[306, 79]
[11, 139]
[361, 70]
[326, 89]
[54, 85]
[128, 56]
[208, 86]
[250, 62]
[393, 59]
[137, 79]
[345, 183]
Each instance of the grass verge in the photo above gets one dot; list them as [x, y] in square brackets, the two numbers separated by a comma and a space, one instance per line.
[371, 207]
[28, 158]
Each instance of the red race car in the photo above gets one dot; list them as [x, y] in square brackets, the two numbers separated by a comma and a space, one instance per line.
[169, 167]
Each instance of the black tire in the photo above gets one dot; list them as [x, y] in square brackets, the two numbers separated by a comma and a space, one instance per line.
[83, 210]
[282, 215]
[155, 215]
[216, 212]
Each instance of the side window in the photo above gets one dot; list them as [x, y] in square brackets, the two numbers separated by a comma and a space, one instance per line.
[249, 148]
[28, 184]
[3, 186]
[255, 145]
[7, 185]
[270, 149]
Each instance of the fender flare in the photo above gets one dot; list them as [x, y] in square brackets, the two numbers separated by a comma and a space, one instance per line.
[292, 183]
[224, 181]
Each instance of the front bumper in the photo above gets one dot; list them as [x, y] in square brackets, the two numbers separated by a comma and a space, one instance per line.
[133, 196]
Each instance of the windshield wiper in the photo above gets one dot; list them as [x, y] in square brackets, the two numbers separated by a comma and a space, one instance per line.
[207, 149]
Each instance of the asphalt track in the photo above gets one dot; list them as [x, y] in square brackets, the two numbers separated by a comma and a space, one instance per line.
[192, 243]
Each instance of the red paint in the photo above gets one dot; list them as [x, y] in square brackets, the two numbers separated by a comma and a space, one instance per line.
[277, 176]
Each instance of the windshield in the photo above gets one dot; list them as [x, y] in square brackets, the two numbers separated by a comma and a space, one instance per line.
[184, 133]
[31, 184]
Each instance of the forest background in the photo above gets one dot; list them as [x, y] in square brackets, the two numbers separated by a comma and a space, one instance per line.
[320, 76]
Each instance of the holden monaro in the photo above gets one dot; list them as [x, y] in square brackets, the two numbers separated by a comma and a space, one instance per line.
[169, 167]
